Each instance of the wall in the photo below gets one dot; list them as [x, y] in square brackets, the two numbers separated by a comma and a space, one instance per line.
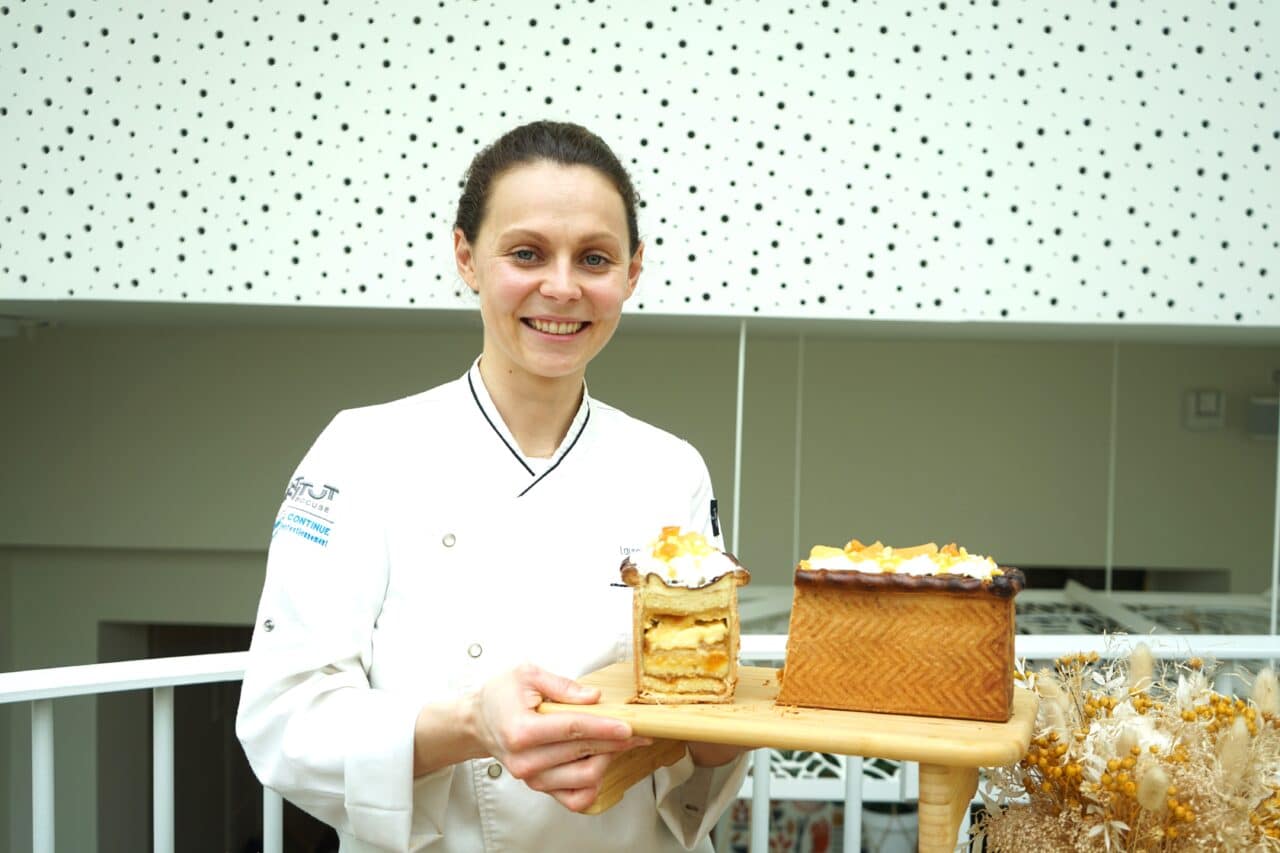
[147, 463]
[164, 412]
[996, 443]
[198, 430]
[183, 438]
[1187, 498]
[1005, 444]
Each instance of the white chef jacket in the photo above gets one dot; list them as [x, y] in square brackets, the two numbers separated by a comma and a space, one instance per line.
[417, 554]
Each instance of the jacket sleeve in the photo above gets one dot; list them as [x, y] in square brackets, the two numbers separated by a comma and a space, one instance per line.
[311, 725]
[691, 799]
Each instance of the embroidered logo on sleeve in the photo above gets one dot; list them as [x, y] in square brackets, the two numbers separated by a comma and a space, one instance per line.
[305, 494]
[307, 511]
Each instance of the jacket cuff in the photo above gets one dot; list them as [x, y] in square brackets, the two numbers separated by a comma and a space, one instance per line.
[691, 798]
[385, 805]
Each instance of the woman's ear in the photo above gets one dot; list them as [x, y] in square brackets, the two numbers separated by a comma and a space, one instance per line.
[464, 258]
[633, 269]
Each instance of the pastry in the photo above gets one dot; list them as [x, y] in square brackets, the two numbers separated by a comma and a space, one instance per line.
[685, 619]
[924, 630]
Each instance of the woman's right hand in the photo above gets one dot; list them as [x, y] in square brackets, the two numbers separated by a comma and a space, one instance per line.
[562, 754]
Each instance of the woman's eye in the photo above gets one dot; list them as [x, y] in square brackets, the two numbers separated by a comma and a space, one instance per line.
[524, 255]
[595, 260]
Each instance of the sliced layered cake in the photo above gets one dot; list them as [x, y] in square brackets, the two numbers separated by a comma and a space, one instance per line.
[685, 619]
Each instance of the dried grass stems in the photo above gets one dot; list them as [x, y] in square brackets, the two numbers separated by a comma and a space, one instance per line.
[1134, 755]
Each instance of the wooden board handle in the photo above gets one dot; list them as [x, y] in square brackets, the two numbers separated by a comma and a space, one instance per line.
[630, 767]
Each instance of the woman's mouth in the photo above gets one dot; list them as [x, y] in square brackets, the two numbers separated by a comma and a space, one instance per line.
[554, 327]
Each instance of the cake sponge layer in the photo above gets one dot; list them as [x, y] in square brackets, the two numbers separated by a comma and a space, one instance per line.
[652, 686]
[687, 662]
[716, 598]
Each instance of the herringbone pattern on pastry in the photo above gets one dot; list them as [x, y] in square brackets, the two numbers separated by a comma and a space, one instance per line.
[928, 653]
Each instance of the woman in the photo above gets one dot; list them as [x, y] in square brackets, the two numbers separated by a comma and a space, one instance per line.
[442, 564]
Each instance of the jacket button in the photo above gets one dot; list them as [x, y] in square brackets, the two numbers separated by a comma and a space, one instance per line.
[448, 540]
[495, 770]
[475, 650]
[268, 625]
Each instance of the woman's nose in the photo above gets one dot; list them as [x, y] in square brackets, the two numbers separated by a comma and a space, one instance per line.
[560, 284]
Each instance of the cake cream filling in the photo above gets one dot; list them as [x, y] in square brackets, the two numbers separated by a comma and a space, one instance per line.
[678, 647]
[696, 663]
[920, 565]
[971, 565]
[975, 567]
[687, 570]
[685, 633]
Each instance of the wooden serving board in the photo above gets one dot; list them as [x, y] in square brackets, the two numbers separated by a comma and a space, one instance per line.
[753, 720]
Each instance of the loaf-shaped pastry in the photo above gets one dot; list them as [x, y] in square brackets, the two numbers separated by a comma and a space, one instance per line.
[924, 631]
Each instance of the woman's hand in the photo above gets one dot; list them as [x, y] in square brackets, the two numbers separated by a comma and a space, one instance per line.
[564, 755]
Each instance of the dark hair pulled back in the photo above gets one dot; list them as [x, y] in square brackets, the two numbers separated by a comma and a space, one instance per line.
[558, 142]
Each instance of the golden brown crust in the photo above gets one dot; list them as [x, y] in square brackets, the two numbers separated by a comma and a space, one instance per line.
[650, 698]
[1005, 585]
[932, 645]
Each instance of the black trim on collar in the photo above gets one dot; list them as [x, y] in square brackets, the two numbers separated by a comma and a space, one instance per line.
[581, 430]
[498, 432]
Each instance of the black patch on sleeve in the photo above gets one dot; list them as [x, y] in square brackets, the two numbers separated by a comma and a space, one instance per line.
[715, 518]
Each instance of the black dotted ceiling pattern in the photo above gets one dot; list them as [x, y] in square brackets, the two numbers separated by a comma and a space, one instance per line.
[1042, 161]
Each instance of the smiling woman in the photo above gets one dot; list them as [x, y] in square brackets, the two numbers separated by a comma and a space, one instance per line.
[399, 660]
[551, 264]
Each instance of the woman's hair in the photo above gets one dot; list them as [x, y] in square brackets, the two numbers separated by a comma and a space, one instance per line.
[554, 141]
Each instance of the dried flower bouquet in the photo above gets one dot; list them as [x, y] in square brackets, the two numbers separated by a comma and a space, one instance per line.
[1128, 756]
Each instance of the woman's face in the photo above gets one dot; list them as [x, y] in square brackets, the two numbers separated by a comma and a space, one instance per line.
[551, 266]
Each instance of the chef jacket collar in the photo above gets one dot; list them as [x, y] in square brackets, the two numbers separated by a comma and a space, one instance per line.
[537, 469]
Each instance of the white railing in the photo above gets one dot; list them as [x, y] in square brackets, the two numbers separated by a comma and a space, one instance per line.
[41, 687]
